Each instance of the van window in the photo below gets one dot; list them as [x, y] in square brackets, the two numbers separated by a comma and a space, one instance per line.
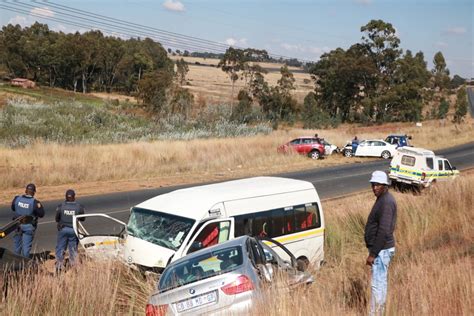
[429, 163]
[278, 222]
[447, 166]
[408, 160]
[214, 233]
[440, 165]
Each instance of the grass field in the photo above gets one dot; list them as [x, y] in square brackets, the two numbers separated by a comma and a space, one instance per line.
[210, 83]
[95, 169]
[431, 273]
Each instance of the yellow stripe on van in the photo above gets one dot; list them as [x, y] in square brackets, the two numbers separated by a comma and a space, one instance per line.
[106, 243]
[297, 236]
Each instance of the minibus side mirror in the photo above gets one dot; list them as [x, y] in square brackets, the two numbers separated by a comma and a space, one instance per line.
[196, 245]
[454, 168]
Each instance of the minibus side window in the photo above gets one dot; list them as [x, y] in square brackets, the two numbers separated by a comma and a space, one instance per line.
[301, 218]
[278, 223]
[312, 213]
[261, 224]
[440, 165]
[289, 220]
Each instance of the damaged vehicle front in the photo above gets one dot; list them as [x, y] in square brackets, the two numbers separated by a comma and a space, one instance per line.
[149, 240]
[225, 279]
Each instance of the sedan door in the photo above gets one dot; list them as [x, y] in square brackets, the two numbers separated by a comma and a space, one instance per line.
[363, 149]
[101, 235]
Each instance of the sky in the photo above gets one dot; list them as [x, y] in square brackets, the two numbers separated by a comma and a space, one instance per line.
[302, 29]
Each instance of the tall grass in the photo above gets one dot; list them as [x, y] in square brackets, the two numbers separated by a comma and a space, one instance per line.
[431, 273]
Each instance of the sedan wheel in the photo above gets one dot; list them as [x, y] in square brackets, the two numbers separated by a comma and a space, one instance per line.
[385, 154]
[314, 154]
[347, 153]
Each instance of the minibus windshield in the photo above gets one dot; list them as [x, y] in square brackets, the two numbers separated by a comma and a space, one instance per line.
[159, 228]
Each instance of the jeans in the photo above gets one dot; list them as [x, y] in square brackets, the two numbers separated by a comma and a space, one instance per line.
[66, 238]
[379, 281]
[23, 239]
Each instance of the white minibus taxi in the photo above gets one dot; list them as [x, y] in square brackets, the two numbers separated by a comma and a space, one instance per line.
[172, 225]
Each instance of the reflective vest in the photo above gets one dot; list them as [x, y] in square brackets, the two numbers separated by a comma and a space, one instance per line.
[67, 211]
[24, 205]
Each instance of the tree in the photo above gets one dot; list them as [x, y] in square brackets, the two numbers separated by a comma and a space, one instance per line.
[443, 109]
[182, 102]
[456, 82]
[232, 63]
[440, 72]
[181, 70]
[461, 105]
[153, 90]
[287, 80]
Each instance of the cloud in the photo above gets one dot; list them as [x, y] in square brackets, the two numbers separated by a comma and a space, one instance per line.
[236, 42]
[44, 11]
[441, 44]
[35, 13]
[173, 5]
[456, 30]
[21, 20]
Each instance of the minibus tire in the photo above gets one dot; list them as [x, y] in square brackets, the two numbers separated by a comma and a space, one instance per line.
[302, 264]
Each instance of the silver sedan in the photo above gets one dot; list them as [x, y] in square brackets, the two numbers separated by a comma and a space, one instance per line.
[224, 279]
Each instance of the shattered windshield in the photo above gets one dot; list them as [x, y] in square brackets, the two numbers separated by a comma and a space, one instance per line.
[159, 228]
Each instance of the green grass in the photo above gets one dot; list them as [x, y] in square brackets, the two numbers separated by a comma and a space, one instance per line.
[49, 95]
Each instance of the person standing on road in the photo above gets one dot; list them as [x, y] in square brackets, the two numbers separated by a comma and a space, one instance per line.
[380, 240]
[26, 205]
[355, 144]
[66, 236]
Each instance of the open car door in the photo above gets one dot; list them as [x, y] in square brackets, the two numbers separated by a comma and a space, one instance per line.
[211, 233]
[100, 235]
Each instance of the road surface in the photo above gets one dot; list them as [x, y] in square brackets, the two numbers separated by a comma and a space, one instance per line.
[329, 182]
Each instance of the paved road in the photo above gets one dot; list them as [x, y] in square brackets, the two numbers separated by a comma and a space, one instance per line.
[329, 182]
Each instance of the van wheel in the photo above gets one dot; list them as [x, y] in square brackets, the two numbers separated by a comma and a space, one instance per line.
[386, 154]
[314, 154]
[302, 264]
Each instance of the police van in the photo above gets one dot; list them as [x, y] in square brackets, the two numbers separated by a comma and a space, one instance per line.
[419, 167]
[172, 225]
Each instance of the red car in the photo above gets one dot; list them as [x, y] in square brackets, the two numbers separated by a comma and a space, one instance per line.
[310, 146]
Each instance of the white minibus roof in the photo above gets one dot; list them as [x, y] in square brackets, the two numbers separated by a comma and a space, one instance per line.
[415, 151]
[195, 202]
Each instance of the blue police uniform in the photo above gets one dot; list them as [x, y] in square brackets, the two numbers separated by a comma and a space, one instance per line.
[66, 236]
[23, 237]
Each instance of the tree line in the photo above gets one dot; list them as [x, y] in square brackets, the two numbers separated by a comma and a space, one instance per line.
[372, 81]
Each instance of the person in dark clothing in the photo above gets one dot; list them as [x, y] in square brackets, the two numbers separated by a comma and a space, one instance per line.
[26, 205]
[354, 144]
[66, 236]
[379, 240]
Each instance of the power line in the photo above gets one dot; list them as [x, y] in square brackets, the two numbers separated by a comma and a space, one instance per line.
[88, 20]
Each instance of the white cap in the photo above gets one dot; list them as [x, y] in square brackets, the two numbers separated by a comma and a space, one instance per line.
[379, 177]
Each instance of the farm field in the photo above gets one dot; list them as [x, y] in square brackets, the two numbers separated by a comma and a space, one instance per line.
[210, 83]
[434, 239]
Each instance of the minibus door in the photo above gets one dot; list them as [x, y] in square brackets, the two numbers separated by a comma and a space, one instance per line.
[211, 233]
[101, 235]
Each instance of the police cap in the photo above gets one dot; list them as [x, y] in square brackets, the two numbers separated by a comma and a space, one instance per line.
[70, 193]
[31, 187]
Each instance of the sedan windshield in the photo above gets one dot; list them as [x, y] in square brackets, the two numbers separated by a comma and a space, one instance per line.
[202, 267]
[159, 228]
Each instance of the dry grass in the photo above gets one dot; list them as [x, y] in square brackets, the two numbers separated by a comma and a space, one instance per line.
[431, 273]
[123, 167]
[206, 80]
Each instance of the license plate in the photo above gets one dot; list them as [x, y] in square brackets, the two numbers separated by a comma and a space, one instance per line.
[196, 301]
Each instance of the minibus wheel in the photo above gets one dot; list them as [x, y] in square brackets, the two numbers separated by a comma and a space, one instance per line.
[302, 264]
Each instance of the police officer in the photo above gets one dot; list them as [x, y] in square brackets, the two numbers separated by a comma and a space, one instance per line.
[27, 205]
[66, 236]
